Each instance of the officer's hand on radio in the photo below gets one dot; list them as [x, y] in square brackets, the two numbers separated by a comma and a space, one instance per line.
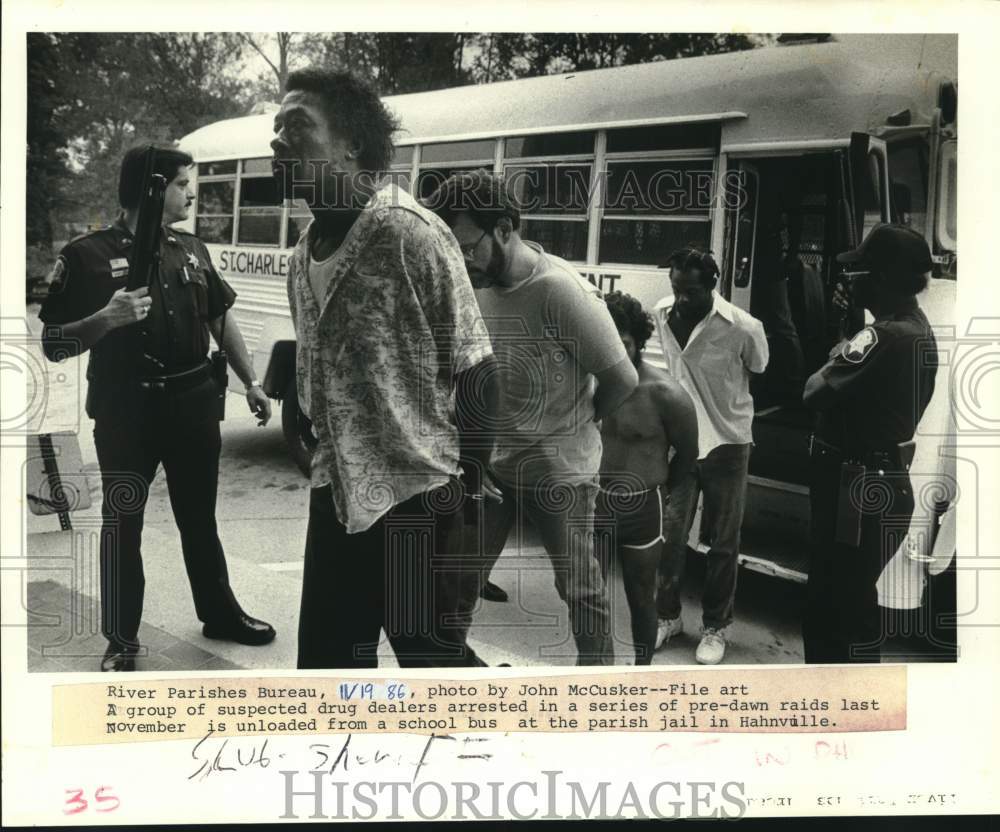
[260, 404]
[126, 308]
[842, 298]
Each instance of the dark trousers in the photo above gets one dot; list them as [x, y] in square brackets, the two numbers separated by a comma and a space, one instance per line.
[403, 575]
[722, 479]
[842, 619]
[563, 515]
[132, 440]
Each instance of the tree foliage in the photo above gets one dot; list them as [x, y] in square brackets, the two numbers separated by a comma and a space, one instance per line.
[102, 93]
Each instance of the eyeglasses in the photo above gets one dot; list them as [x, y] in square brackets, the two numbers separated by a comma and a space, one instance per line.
[468, 252]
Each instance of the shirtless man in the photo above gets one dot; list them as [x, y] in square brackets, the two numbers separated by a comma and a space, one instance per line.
[638, 471]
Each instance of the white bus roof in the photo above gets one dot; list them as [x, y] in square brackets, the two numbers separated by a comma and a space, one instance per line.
[813, 91]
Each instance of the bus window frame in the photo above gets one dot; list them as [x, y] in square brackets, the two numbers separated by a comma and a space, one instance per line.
[223, 177]
[693, 154]
[576, 160]
[283, 207]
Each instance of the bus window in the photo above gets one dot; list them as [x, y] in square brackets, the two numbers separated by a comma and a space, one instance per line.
[478, 152]
[652, 207]
[564, 238]
[703, 136]
[662, 187]
[224, 168]
[553, 200]
[260, 208]
[648, 242]
[402, 156]
[216, 189]
[431, 179]
[559, 145]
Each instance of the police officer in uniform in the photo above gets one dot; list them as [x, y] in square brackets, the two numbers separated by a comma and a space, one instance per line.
[153, 400]
[870, 396]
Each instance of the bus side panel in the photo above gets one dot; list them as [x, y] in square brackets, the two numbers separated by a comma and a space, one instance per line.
[259, 278]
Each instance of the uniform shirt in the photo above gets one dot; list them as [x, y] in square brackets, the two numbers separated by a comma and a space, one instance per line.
[551, 332]
[187, 294]
[376, 357]
[714, 368]
[883, 379]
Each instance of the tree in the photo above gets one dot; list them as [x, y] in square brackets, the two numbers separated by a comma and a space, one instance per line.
[45, 164]
[120, 89]
[519, 55]
[395, 62]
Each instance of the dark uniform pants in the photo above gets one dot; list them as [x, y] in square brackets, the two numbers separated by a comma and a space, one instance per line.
[132, 438]
[404, 574]
[842, 619]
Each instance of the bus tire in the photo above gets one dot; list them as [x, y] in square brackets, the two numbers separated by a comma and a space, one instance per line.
[300, 452]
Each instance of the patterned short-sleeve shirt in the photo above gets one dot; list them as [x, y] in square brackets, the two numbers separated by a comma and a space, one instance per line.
[377, 356]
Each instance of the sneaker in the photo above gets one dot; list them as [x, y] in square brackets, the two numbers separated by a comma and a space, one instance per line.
[667, 628]
[712, 647]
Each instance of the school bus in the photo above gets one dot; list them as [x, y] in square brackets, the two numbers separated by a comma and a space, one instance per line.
[784, 154]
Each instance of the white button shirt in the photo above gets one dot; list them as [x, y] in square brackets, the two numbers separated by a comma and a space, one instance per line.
[726, 346]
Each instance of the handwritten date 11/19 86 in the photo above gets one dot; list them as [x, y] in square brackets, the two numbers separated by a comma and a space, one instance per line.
[218, 754]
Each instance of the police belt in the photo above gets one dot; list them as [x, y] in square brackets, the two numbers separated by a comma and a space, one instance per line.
[895, 457]
[177, 382]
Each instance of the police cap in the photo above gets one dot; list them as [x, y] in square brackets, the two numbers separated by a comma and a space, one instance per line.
[892, 248]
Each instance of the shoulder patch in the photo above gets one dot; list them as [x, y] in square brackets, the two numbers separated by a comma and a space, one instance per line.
[857, 349]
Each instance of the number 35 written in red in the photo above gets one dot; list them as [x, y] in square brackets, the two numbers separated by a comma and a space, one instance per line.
[104, 798]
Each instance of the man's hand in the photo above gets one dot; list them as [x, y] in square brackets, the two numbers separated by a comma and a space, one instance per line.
[260, 404]
[126, 308]
[306, 432]
[487, 491]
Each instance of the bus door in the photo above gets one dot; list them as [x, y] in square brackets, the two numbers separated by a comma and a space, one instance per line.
[793, 213]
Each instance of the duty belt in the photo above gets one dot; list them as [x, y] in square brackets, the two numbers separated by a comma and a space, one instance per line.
[179, 381]
[893, 457]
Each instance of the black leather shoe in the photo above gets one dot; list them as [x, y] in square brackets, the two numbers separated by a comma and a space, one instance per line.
[243, 630]
[118, 659]
[491, 592]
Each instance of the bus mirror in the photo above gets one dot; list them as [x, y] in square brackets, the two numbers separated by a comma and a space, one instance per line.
[948, 102]
[947, 197]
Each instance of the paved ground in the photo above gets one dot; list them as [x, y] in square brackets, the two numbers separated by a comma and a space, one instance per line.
[262, 515]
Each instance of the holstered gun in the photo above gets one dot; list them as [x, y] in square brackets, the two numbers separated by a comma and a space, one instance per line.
[144, 257]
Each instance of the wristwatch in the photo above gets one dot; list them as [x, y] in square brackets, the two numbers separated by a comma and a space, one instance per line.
[253, 383]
